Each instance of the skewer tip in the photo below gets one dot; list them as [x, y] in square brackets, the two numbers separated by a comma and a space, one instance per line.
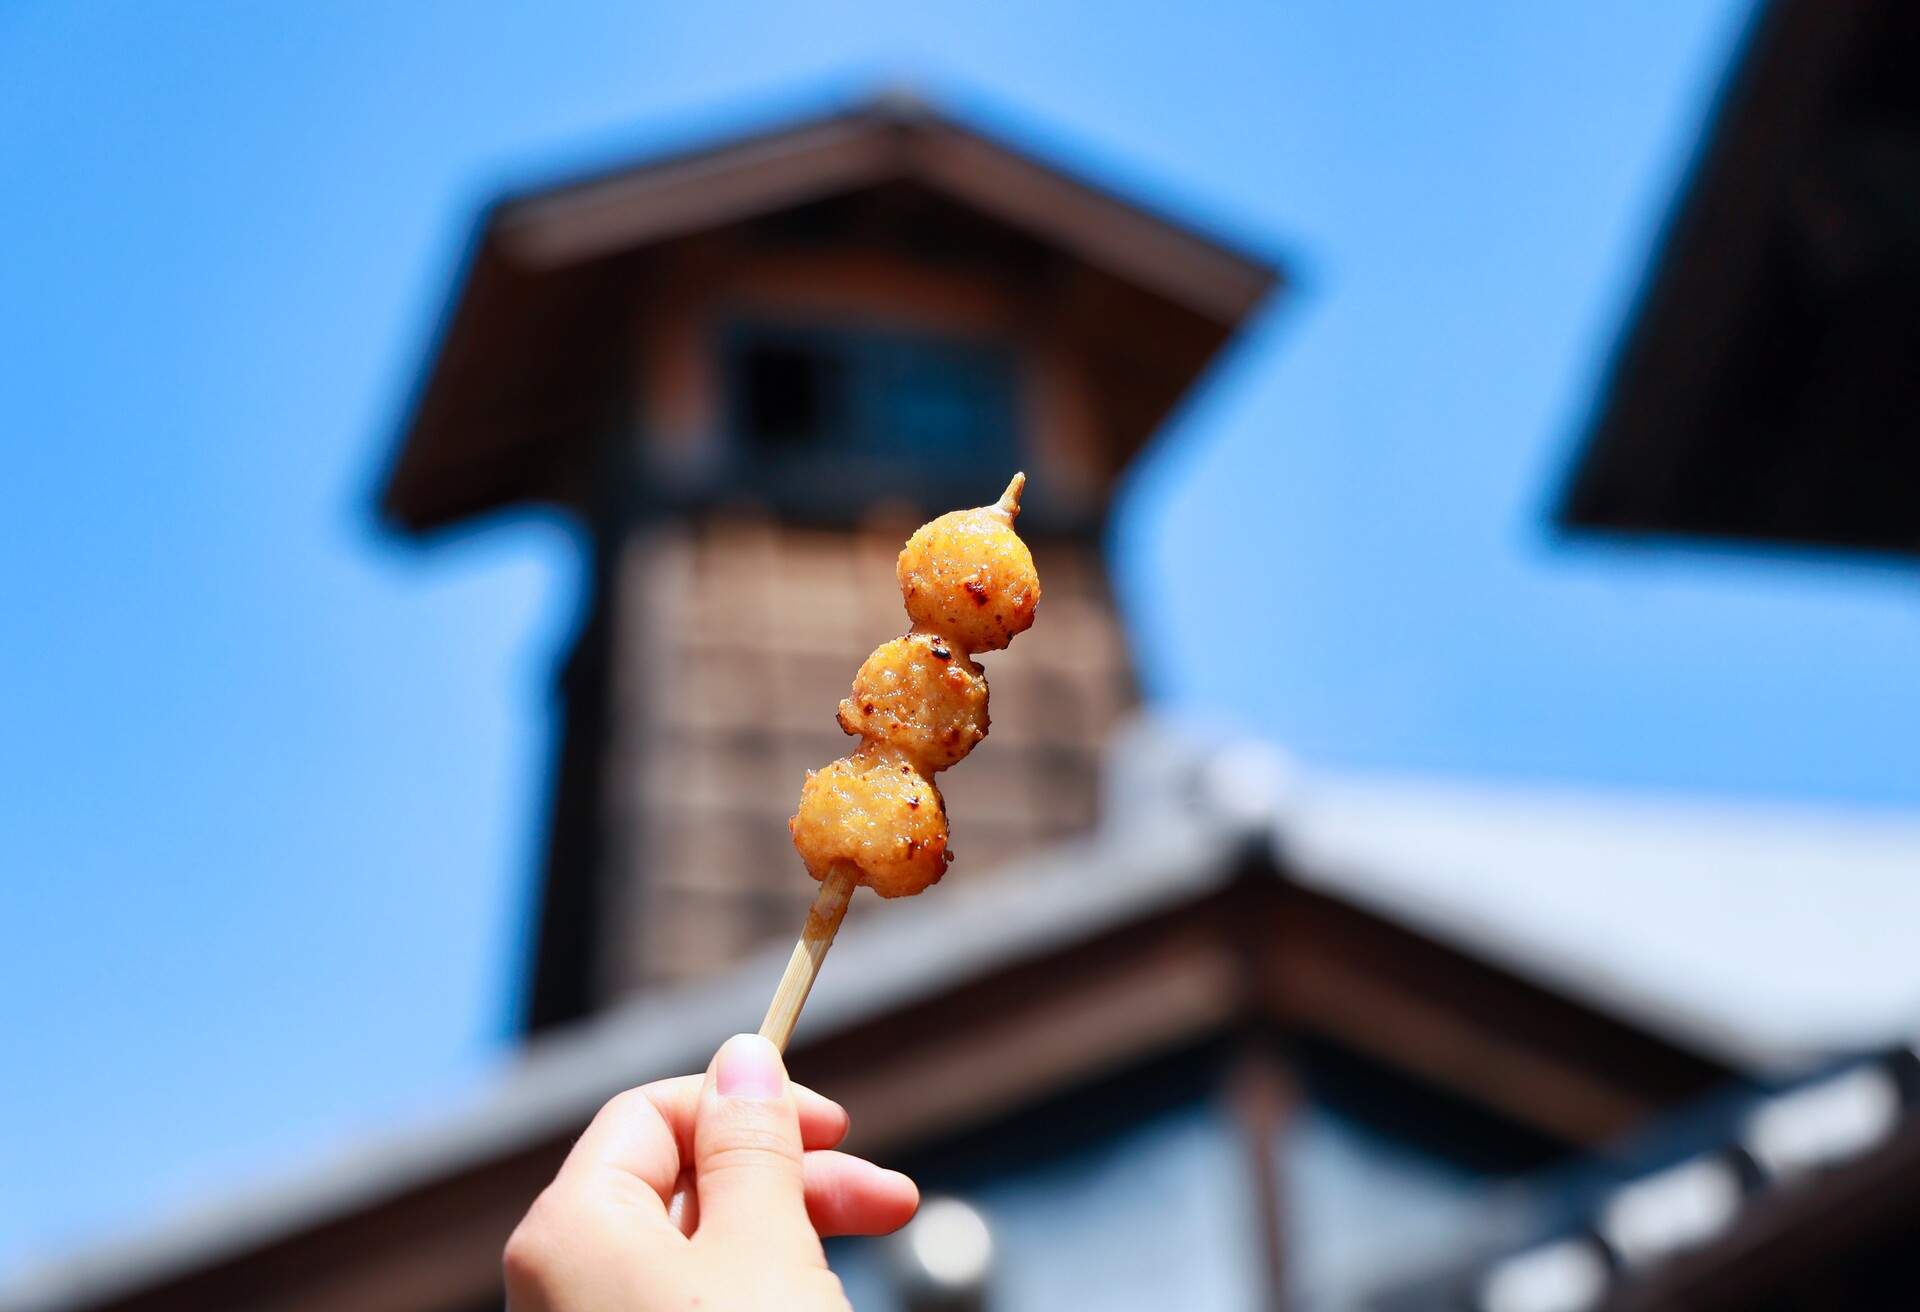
[1010, 499]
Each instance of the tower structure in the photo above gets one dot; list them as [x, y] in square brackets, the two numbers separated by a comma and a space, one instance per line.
[749, 370]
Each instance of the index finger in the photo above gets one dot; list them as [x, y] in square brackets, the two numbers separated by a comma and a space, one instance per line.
[647, 1132]
[823, 1122]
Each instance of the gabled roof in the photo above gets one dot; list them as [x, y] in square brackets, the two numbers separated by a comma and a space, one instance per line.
[1458, 936]
[1771, 933]
[543, 261]
[937, 1014]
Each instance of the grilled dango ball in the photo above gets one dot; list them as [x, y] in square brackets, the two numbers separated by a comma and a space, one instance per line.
[968, 577]
[875, 811]
[920, 696]
[919, 704]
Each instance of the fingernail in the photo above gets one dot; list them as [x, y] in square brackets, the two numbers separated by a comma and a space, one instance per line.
[749, 1067]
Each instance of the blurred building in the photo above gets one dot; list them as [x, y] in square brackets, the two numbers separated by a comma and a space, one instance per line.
[749, 370]
[1185, 1061]
[1186, 1027]
[1767, 389]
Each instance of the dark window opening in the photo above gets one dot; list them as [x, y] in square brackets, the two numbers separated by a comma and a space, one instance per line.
[788, 393]
[904, 409]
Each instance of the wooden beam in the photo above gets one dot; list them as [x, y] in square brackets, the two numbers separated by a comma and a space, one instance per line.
[1027, 1033]
[1260, 1097]
[1454, 1050]
[1538, 1058]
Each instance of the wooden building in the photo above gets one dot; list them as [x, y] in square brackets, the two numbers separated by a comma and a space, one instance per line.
[749, 370]
[1765, 390]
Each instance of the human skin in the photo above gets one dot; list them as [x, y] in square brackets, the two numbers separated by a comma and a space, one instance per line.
[704, 1192]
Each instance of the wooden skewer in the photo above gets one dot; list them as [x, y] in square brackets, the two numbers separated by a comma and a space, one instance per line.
[830, 904]
[803, 967]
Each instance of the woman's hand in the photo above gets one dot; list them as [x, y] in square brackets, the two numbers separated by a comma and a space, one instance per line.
[708, 1192]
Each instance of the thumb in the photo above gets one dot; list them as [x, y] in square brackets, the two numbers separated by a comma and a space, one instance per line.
[746, 1153]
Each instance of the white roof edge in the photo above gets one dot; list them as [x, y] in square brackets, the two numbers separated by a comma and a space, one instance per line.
[1771, 934]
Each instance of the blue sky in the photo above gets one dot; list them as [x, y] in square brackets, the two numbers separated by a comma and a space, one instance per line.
[270, 783]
